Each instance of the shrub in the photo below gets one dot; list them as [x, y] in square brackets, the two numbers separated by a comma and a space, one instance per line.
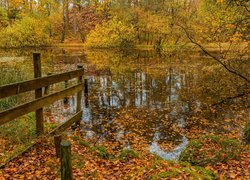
[113, 33]
[3, 18]
[27, 32]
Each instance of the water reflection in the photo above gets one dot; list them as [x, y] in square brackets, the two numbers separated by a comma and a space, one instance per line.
[169, 155]
[66, 109]
[155, 101]
[160, 104]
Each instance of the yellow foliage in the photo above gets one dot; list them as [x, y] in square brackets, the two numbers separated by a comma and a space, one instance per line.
[28, 32]
[113, 33]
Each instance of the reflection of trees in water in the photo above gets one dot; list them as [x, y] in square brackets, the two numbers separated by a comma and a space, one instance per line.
[152, 101]
[159, 102]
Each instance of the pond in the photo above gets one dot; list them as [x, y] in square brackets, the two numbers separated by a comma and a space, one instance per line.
[138, 98]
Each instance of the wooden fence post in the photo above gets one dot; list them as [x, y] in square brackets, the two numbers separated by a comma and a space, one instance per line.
[66, 166]
[86, 86]
[38, 93]
[57, 141]
[86, 92]
[66, 99]
[79, 95]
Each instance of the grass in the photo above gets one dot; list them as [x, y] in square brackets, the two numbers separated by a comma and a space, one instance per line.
[75, 138]
[84, 143]
[128, 154]
[156, 162]
[8, 102]
[19, 130]
[173, 173]
[193, 172]
[210, 150]
[8, 76]
[17, 135]
[101, 151]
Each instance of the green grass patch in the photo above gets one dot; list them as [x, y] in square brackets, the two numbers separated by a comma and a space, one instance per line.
[50, 126]
[81, 142]
[8, 102]
[173, 173]
[84, 143]
[206, 174]
[210, 150]
[75, 138]
[101, 151]
[128, 154]
[157, 161]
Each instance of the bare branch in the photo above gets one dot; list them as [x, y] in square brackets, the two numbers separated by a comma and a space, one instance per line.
[233, 71]
[232, 98]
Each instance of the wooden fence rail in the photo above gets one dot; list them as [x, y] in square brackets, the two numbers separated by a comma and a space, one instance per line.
[40, 101]
[25, 86]
[31, 106]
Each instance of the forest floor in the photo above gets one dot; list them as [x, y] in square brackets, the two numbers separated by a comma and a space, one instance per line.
[211, 157]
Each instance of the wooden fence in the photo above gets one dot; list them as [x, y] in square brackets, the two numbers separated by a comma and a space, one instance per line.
[38, 84]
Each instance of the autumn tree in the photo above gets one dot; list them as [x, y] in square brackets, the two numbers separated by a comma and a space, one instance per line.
[223, 25]
[84, 19]
[113, 33]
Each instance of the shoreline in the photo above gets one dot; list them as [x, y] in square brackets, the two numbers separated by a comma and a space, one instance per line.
[209, 46]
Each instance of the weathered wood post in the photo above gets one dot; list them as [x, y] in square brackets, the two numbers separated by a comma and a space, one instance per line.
[79, 95]
[57, 141]
[46, 89]
[86, 88]
[66, 166]
[86, 92]
[38, 93]
[66, 99]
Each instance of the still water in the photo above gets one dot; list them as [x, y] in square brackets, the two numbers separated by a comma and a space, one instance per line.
[137, 98]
